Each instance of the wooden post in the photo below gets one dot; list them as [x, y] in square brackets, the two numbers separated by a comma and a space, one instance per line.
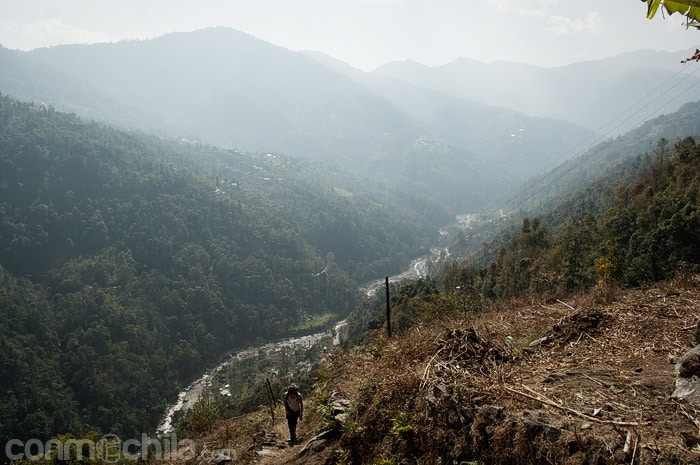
[388, 309]
[273, 401]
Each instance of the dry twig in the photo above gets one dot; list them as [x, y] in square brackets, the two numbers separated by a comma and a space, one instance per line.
[564, 303]
[540, 398]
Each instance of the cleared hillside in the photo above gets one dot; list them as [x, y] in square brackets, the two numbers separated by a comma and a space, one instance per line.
[588, 380]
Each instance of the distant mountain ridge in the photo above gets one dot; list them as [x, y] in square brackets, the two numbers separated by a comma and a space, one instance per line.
[518, 144]
[590, 93]
[231, 89]
[236, 91]
[416, 129]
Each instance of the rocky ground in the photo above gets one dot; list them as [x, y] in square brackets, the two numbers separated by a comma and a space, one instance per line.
[585, 380]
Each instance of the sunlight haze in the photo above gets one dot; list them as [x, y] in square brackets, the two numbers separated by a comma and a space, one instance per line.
[367, 33]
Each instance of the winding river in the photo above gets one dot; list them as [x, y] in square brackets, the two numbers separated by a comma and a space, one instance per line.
[419, 268]
[194, 391]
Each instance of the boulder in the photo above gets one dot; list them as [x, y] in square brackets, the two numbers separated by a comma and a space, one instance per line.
[688, 379]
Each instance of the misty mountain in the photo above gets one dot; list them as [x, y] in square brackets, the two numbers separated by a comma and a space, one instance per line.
[607, 157]
[231, 89]
[234, 90]
[610, 96]
[29, 80]
[520, 145]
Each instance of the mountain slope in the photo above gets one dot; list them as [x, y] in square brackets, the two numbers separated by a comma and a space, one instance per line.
[228, 88]
[129, 264]
[518, 145]
[234, 90]
[266, 98]
[576, 174]
[28, 80]
[607, 95]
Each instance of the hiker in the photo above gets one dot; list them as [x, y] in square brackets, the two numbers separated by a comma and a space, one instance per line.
[294, 410]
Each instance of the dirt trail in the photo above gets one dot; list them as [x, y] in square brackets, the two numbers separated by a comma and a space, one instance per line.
[277, 450]
[253, 439]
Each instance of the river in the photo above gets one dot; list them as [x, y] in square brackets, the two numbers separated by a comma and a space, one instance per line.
[191, 394]
[419, 268]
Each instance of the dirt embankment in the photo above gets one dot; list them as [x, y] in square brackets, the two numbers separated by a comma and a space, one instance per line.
[583, 381]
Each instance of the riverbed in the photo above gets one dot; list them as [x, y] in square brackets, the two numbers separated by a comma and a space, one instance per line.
[192, 393]
[418, 268]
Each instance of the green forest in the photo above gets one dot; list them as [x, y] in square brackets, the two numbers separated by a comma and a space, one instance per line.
[639, 224]
[643, 226]
[129, 264]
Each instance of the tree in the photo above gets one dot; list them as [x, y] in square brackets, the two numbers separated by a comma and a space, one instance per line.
[688, 8]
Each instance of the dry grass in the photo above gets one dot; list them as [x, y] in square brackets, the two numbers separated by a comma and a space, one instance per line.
[586, 380]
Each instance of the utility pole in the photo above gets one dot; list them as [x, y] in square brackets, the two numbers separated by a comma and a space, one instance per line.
[388, 309]
[271, 399]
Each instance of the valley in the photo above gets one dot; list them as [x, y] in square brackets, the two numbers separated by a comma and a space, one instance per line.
[190, 223]
[286, 352]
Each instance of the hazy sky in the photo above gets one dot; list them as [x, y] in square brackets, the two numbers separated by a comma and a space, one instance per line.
[366, 33]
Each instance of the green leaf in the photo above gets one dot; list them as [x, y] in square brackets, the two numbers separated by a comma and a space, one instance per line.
[652, 8]
[688, 8]
[676, 7]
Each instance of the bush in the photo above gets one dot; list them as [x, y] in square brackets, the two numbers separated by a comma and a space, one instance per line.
[200, 417]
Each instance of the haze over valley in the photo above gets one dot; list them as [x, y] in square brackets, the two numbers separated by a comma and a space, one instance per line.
[168, 200]
[467, 127]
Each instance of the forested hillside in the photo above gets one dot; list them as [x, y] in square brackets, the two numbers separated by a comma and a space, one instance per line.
[129, 263]
[637, 225]
[225, 87]
[569, 347]
[545, 191]
[584, 184]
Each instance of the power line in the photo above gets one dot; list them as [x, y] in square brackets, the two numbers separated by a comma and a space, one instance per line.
[513, 195]
[658, 97]
[600, 133]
